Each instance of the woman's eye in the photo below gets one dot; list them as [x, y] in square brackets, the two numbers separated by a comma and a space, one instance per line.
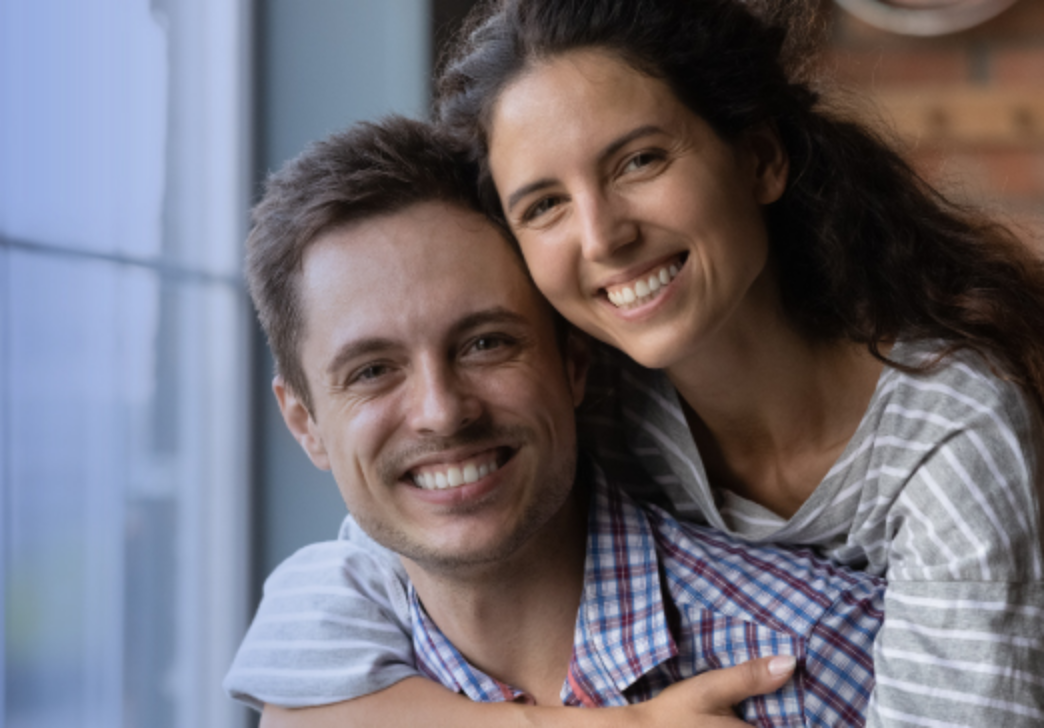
[541, 207]
[640, 160]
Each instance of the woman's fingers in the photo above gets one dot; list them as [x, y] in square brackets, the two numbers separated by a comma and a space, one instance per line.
[719, 690]
[707, 700]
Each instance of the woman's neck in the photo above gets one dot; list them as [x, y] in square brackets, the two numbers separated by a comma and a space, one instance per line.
[770, 410]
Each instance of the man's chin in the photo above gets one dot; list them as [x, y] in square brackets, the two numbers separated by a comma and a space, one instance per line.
[464, 553]
[466, 545]
[491, 529]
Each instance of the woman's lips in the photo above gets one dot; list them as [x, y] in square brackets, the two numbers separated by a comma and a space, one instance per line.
[644, 288]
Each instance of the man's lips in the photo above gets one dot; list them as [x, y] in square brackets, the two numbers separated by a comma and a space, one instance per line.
[440, 473]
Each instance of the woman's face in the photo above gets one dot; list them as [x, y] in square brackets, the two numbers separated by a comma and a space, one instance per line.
[638, 222]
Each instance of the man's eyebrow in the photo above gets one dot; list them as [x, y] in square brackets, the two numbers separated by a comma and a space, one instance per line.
[355, 349]
[375, 344]
[610, 149]
[495, 315]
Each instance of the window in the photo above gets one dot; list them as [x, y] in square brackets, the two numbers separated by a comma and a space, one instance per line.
[123, 360]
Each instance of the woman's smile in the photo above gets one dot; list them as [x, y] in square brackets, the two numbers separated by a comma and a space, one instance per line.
[646, 287]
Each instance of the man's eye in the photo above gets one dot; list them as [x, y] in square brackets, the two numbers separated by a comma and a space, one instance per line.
[495, 344]
[369, 373]
[485, 343]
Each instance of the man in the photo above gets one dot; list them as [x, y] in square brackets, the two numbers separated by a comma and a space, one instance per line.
[418, 363]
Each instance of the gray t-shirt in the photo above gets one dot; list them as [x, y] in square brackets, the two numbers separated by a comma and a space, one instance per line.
[938, 490]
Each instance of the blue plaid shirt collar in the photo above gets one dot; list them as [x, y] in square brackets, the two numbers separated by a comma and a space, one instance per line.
[622, 630]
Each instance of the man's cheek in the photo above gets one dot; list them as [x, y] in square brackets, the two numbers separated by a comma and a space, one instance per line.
[355, 480]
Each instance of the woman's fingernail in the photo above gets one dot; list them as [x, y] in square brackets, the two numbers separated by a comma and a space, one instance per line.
[782, 665]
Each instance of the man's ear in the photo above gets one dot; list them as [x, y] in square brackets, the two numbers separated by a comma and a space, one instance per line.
[771, 163]
[578, 362]
[300, 423]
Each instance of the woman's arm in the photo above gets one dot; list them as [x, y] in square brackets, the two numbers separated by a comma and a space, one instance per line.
[333, 624]
[963, 637]
[704, 701]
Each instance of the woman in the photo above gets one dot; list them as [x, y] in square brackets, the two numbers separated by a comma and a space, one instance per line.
[825, 350]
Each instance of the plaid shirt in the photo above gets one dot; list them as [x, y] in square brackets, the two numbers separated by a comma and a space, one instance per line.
[665, 600]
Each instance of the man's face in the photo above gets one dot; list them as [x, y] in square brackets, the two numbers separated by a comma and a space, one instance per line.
[441, 401]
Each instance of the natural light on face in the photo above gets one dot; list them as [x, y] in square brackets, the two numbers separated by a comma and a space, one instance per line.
[636, 220]
[450, 365]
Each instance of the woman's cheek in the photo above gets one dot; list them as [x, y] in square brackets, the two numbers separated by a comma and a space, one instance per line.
[547, 265]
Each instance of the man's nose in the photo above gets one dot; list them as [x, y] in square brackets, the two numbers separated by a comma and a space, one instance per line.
[604, 225]
[441, 402]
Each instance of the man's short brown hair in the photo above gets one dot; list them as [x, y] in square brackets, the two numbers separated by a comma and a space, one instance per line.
[368, 170]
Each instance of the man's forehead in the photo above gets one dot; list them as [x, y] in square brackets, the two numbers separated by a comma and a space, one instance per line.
[425, 266]
[421, 233]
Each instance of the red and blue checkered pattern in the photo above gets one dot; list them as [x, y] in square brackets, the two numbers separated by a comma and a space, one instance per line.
[665, 600]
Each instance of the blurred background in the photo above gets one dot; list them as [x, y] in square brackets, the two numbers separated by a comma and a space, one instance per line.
[147, 483]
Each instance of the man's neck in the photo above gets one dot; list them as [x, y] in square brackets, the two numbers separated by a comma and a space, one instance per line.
[515, 620]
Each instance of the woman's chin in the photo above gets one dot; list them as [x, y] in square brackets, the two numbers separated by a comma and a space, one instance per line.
[652, 351]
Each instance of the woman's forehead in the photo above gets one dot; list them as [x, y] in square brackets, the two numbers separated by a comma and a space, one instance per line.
[587, 86]
[584, 103]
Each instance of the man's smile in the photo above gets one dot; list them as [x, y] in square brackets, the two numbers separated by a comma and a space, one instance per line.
[450, 473]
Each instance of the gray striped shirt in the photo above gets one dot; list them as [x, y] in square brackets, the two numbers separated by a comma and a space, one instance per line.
[938, 490]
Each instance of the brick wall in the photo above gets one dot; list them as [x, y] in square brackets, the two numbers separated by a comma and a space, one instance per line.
[968, 107]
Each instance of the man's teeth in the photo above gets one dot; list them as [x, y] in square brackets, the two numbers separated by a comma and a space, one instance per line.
[644, 289]
[437, 477]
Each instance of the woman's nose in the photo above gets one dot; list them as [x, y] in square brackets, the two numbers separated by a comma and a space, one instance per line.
[604, 227]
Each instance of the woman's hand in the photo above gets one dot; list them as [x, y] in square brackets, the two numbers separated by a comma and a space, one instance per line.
[704, 701]
[707, 700]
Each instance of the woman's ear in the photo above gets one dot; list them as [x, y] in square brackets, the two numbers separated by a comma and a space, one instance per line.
[771, 164]
[300, 423]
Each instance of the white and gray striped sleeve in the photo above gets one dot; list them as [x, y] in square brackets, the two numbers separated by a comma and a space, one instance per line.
[963, 638]
[332, 625]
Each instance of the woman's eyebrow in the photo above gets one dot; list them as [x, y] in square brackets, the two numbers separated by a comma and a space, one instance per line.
[616, 145]
[526, 190]
[610, 149]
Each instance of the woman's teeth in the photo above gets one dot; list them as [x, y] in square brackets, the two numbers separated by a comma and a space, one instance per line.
[438, 477]
[644, 289]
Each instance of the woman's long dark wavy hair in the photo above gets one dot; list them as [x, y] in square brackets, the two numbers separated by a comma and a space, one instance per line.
[865, 249]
